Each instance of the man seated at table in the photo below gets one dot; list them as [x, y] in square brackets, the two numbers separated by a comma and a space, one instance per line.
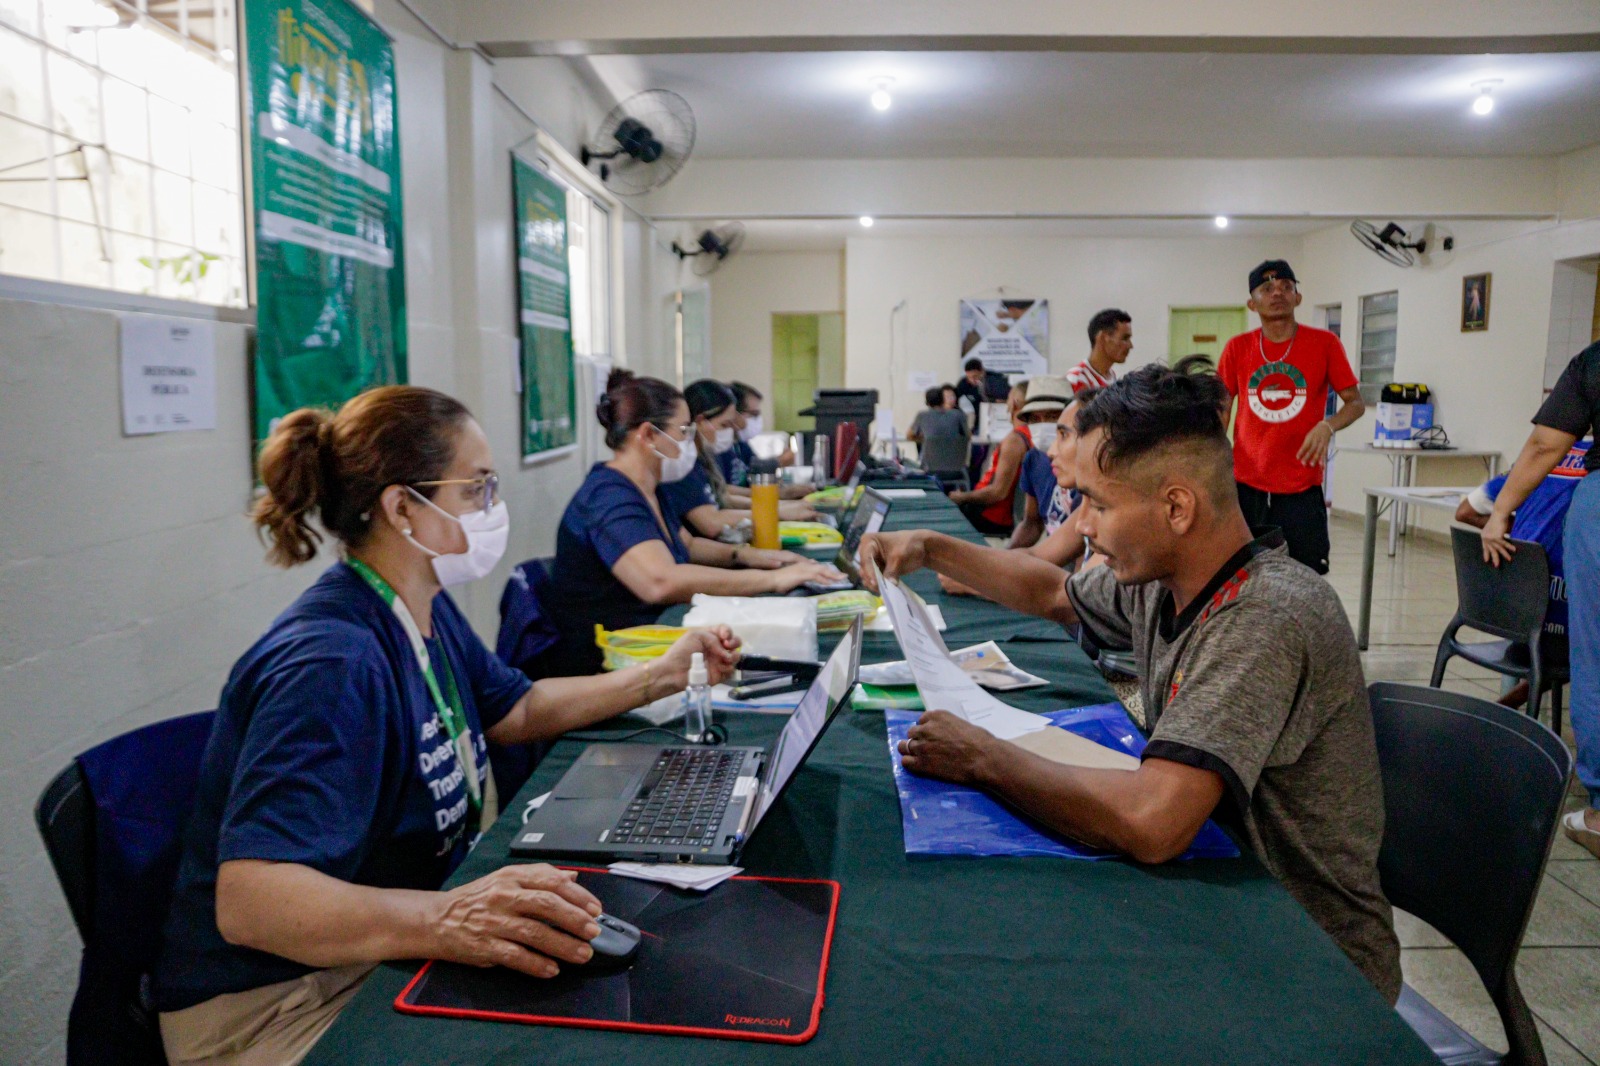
[1541, 519]
[1249, 670]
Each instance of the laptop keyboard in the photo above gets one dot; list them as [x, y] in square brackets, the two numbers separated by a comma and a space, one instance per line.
[681, 800]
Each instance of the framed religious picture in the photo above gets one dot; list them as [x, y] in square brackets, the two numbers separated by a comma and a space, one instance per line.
[1475, 303]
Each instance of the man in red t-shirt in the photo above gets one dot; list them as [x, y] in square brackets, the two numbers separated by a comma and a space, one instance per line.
[1280, 375]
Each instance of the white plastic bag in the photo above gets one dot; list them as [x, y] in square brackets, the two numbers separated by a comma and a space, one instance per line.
[776, 626]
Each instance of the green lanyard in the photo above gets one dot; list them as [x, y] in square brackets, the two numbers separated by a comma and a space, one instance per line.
[452, 713]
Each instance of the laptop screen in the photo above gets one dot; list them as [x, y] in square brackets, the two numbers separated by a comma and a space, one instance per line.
[825, 696]
[869, 518]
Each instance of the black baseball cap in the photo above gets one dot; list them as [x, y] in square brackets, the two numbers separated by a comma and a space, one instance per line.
[1271, 270]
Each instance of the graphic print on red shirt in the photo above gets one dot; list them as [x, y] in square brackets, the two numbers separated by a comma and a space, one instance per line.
[1282, 391]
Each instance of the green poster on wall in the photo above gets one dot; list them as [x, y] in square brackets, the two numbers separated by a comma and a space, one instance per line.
[545, 311]
[325, 197]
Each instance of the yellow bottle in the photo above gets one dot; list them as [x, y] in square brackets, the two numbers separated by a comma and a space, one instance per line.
[764, 511]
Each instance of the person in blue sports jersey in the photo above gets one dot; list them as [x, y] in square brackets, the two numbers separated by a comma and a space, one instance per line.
[1571, 411]
[1540, 519]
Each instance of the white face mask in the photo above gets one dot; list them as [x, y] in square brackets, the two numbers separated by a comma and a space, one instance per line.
[676, 467]
[753, 427]
[1044, 435]
[487, 533]
[724, 441]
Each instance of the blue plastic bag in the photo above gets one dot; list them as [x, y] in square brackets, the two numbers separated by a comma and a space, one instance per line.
[940, 818]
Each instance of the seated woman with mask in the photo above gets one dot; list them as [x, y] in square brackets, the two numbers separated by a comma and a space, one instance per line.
[623, 553]
[704, 498]
[347, 775]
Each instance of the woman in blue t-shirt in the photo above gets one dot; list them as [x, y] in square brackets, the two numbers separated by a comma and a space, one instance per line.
[622, 552]
[347, 772]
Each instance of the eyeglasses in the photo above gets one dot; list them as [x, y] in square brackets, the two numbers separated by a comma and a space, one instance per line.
[1273, 285]
[679, 433]
[485, 490]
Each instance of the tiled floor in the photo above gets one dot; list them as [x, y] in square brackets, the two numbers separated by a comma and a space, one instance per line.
[1559, 969]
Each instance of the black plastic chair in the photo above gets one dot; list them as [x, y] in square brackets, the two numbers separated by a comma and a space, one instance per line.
[112, 823]
[1508, 602]
[945, 457]
[1472, 795]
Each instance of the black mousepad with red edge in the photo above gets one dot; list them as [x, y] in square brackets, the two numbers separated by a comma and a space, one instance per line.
[744, 961]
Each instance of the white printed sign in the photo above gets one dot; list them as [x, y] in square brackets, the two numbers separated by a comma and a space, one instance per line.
[169, 374]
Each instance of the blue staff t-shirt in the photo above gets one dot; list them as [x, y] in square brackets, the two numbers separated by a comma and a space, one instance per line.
[735, 463]
[1541, 518]
[328, 751]
[693, 490]
[606, 519]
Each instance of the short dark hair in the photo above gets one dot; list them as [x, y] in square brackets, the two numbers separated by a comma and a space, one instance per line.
[1156, 408]
[934, 397]
[743, 393]
[708, 398]
[973, 364]
[1110, 318]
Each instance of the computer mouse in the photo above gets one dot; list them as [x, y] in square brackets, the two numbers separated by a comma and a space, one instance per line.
[615, 948]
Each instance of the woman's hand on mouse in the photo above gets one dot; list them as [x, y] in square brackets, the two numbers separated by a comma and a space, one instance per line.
[949, 748]
[528, 917]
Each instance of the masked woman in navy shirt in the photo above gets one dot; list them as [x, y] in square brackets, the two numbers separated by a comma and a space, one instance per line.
[347, 772]
[622, 551]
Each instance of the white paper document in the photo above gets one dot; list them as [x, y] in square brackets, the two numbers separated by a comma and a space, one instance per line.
[169, 374]
[902, 494]
[677, 874]
[944, 685]
[986, 662]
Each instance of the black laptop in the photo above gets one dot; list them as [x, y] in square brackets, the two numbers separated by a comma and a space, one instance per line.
[869, 517]
[683, 803]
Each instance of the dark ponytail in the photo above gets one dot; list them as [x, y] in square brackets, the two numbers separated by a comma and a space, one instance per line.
[632, 401]
[337, 465]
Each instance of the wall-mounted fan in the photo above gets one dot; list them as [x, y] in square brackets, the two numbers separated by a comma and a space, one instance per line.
[712, 247]
[1424, 243]
[643, 141]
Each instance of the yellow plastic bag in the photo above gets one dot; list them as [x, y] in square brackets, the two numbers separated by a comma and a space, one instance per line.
[836, 610]
[623, 648]
[810, 532]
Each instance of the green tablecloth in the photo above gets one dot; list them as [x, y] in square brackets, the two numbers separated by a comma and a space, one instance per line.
[951, 960]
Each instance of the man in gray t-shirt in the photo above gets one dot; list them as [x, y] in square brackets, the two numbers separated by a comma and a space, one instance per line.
[1250, 676]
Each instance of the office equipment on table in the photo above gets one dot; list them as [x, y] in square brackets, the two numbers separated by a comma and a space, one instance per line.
[940, 818]
[1472, 792]
[655, 803]
[746, 962]
[869, 517]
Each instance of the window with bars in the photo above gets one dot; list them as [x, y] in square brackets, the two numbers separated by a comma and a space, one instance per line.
[1380, 317]
[119, 146]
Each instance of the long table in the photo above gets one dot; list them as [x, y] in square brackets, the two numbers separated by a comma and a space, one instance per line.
[953, 960]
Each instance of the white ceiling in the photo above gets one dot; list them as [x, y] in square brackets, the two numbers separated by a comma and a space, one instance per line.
[1047, 104]
[822, 235]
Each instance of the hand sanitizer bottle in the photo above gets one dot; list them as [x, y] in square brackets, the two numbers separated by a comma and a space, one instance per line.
[697, 700]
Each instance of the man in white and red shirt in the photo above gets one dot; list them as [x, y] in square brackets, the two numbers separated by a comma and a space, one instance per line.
[1110, 341]
[1280, 375]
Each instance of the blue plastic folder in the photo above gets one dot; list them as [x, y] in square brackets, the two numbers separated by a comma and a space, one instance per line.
[944, 819]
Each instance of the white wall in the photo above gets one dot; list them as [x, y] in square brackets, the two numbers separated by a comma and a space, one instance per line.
[1486, 385]
[749, 289]
[1079, 276]
[130, 580]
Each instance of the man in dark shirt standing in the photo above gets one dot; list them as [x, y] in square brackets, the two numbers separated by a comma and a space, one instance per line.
[1249, 669]
[1572, 410]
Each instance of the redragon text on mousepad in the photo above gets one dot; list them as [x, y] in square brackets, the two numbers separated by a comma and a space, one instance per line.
[745, 961]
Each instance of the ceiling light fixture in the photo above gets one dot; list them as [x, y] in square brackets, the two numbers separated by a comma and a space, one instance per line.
[1485, 101]
[1221, 221]
[866, 221]
[880, 93]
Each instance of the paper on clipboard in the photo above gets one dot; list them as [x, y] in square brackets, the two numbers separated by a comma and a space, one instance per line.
[943, 684]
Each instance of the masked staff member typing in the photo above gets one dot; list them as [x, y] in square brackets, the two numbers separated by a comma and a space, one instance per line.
[1248, 668]
[623, 552]
[347, 772]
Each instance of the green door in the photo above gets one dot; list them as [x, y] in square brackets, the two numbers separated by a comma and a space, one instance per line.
[807, 354]
[1202, 330]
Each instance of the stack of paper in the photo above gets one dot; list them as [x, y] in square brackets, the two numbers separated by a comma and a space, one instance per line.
[987, 663]
[677, 874]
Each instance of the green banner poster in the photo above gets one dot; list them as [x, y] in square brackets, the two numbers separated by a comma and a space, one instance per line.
[545, 306]
[325, 196]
